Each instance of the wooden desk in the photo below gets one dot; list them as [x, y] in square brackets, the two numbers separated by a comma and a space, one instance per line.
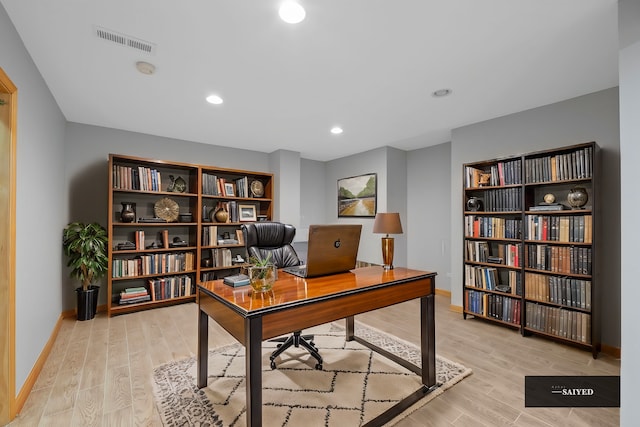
[296, 303]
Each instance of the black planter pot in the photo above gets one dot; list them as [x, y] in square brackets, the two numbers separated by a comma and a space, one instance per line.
[87, 302]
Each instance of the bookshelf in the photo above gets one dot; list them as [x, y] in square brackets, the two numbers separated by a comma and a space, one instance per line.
[529, 243]
[164, 234]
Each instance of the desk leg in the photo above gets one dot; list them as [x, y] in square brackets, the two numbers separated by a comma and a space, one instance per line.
[428, 340]
[253, 355]
[350, 328]
[203, 348]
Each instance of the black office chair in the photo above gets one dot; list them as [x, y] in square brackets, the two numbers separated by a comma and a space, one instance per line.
[273, 239]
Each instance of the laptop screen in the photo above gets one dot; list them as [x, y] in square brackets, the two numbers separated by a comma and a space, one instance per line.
[332, 248]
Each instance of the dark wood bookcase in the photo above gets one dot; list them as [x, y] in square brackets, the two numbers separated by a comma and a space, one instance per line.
[530, 234]
[175, 238]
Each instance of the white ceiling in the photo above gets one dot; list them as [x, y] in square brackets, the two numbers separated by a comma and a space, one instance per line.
[367, 65]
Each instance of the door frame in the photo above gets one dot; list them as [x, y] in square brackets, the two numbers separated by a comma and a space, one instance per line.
[9, 99]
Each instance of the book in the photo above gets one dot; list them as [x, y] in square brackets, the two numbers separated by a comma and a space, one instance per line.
[236, 280]
[556, 207]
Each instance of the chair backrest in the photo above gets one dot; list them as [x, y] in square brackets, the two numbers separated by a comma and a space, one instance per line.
[263, 238]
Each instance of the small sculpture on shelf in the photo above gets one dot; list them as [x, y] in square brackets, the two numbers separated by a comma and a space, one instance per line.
[577, 197]
[177, 185]
[474, 204]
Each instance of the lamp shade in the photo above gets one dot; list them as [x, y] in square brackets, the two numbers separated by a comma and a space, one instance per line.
[387, 223]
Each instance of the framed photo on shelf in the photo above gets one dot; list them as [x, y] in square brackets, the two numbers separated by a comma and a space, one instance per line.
[229, 189]
[247, 213]
[357, 196]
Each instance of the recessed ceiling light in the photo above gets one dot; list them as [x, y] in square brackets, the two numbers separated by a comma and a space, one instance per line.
[441, 92]
[336, 130]
[291, 12]
[214, 99]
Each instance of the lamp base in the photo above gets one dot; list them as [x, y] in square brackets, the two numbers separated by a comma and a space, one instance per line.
[387, 253]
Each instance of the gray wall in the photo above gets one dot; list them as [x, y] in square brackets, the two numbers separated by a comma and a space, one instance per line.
[41, 203]
[428, 211]
[592, 117]
[312, 195]
[629, 67]
[374, 161]
[286, 168]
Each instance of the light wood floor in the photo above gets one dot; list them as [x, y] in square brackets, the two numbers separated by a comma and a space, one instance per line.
[99, 372]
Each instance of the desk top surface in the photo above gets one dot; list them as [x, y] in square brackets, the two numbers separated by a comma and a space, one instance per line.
[289, 289]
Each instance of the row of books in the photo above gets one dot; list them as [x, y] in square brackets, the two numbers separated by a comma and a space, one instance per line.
[503, 200]
[221, 257]
[488, 278]
[559, 259]
[144, 265]
[502, 173]
[504, 253]
[569, 324]
[171, 287]
[578, 228]
[493, 306]
[134, 295]
[559, 290]
[214, 185]
[136, 178]
[210, 237]
[494, 227]
[560, 167]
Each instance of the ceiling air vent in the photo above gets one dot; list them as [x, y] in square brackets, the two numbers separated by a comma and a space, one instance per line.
[124, 40]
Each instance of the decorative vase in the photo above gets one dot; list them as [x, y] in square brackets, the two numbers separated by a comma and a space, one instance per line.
[128, 212]
[262, 278]
[577, 197]
[220, 215]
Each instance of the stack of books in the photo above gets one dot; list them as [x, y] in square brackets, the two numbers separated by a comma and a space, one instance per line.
[134, 295]
[236, 280]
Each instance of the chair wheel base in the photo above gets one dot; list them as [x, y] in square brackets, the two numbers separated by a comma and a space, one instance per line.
[297, 340]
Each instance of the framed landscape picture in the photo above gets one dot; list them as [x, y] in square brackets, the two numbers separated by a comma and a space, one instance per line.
[247, 212]
[357, 196]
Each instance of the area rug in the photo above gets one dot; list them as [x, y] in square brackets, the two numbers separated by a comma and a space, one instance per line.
[354, 386]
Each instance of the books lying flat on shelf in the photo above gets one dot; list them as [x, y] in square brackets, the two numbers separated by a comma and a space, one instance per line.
[236, 280]
[548, 207]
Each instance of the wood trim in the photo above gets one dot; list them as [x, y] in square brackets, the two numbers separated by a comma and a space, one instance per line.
[8, 257]
[455, 308]
[443, 292]
[22, 396]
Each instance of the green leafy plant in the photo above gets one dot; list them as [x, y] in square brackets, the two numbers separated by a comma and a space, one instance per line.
[86, 247]
[260, 262]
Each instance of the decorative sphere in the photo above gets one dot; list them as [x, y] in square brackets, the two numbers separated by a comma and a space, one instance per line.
[549, 198]
[577, 197]
[474, 204]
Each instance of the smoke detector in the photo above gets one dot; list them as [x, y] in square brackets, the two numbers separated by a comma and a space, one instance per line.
[145, 67]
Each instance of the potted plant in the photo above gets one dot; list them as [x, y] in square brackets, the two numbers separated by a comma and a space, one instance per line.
[262, 274]
[86, 247]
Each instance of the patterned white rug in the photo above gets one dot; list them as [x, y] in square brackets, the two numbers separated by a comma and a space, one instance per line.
[354, 386]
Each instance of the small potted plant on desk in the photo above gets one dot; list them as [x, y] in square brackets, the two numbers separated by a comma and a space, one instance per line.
[86, 247]
[262, 274]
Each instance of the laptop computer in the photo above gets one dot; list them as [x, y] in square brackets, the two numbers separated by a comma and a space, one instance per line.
[332, 248]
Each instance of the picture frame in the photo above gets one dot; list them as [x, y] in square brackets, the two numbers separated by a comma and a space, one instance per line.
[358, 196]
[247, 213]
[229, 189]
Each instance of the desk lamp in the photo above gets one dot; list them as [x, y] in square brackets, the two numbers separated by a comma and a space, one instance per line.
[387, 223]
